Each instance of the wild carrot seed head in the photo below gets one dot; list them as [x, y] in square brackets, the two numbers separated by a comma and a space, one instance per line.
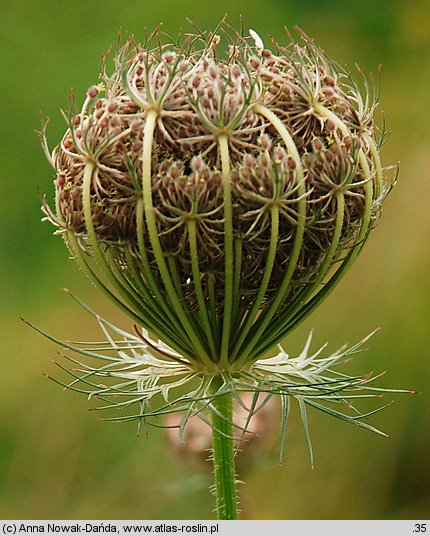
[216, 200]
[271, 221]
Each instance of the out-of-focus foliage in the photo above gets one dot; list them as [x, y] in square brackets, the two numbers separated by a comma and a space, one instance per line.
[56, 460]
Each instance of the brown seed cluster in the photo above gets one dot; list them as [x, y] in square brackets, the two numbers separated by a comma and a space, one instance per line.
[332, 177]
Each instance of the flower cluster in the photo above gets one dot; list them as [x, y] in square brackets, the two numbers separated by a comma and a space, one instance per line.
[217, 201]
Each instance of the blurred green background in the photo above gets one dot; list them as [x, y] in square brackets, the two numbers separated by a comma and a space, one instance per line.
[56, 460]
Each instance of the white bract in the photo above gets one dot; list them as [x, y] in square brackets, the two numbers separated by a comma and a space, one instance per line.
[257, 39]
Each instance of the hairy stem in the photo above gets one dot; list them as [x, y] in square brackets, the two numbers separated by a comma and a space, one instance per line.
[223, 456]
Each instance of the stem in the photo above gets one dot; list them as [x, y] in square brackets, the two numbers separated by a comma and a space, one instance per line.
[236, 279]
[228, 249]
[192, 235]
[141, 319]
[118, 283]
[276, 333]
[267, 316]
[213, 312]
[151, 223]
[149, 276]
[368, 186]
[379, 183]
[223, 457]
[270, 261]
[300, 315]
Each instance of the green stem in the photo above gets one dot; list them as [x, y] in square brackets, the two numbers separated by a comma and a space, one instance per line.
[115, 279]
[228, 249]
[223, 457]
[192, 235]
[275, 333]
[368, 186]
[236, 280]
[270, 261]
[268, 315]
[329, 285]
[151, 120]
[379, 182]
[149, 276]
[213, 311]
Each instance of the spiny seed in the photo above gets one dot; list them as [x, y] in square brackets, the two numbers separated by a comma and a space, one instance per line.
[236, 72]
[196, 163]
[255, 63]
[93, 92]
[348, 142]
[292, 164]
[318, 145]
[169, 57]
[265, 142]
[308, 160]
